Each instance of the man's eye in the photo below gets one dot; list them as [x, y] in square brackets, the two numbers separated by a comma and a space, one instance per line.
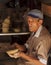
[28, 21]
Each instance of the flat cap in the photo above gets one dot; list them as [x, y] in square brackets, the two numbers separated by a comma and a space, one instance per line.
[36, 13]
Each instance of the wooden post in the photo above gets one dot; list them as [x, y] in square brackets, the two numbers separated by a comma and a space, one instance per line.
[46, 9]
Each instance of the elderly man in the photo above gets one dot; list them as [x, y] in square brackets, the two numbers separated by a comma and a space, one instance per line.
[38, 44]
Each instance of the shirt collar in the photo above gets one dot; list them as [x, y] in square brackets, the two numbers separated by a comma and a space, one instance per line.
[38, 32]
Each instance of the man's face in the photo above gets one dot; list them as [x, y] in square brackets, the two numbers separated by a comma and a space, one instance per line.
[33, 23]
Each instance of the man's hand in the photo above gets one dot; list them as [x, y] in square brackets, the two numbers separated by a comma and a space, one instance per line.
[20, 47]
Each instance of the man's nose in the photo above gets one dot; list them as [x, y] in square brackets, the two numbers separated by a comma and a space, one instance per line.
[30, 24]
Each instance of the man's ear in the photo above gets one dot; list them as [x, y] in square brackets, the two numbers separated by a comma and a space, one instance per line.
[40, 22]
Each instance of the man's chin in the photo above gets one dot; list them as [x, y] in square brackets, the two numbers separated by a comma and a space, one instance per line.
[30, 30]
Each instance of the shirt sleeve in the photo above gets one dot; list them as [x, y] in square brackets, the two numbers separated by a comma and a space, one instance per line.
[42, 60]
[42, 49]
[42, 52]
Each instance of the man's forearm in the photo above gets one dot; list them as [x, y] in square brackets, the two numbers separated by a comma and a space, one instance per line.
[33, 60]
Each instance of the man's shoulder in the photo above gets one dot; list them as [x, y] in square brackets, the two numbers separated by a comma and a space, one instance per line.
[45, 34]
[45, 31]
